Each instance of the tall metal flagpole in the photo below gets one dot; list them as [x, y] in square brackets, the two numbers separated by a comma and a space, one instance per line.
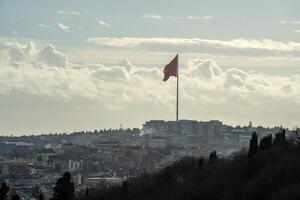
[177, 89]
[177, 120]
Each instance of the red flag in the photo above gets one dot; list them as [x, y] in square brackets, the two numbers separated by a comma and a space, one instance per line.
[171, 68]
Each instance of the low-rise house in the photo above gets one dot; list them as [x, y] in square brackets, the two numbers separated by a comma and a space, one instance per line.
[44, 155]
[64, 162]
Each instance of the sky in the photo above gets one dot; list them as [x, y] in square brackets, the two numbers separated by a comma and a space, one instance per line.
[92, 64]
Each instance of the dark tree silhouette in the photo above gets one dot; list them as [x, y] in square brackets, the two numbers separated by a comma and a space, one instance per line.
[280, 138]
[87, 193]
[200, 163]
[39, 158]
[41, 196]
[125, 186]
[16, 197]
[266, 142]
[253, 148]
[3, 191]
[64, 189]
[213, 156]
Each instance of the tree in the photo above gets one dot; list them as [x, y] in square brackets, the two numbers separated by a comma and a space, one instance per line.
[41, 196]
[64, 189]
[87, 193]
[280, 138]
[213, 156]
[253, 147]
[16, 197]
[125, 186]
[3, 191]
[39, 158]
[266, 142]
[200, 163]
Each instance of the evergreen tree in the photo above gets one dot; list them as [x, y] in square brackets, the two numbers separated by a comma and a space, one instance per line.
[125, 186]
[200, 163]
[213, 156]
[41, 196]
[16, 197]
[3, 191]
[64, 189]
[266, 142]
[87, 193]
[39, 158]
[280, 138]
[253, 147]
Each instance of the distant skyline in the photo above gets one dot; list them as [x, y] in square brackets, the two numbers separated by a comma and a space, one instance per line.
[87, 64]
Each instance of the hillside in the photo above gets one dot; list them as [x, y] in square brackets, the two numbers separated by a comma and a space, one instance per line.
[270, 169]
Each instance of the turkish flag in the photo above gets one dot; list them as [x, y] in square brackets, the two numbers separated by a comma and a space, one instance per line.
[171, 68]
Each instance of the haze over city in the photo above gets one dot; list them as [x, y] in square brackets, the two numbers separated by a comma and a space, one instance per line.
[93, 64]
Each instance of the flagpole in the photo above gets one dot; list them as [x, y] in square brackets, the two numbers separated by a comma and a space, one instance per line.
[177, 92]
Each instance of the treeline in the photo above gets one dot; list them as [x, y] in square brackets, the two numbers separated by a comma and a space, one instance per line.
[269, 169]
[63, 190]
[4, 190]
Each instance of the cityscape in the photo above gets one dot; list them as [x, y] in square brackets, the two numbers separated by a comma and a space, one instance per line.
[31, 165]
[149, 100]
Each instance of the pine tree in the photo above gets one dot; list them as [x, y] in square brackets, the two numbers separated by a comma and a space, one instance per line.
[253, 147]
[64, 189]
[280, 138]
[16, 197]
[200, 163]
[213, 156]
[41, 196]
[3, 191]
[266, 142]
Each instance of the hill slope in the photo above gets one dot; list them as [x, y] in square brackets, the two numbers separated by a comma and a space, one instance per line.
[271, 171]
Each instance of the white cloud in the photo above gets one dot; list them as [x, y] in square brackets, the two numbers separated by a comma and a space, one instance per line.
[296, 22]
[152, 16]
[230, 47]
[279, 22]
[103, 23]
[48, 55]
[63, 27]
[285, 22]
[297, 31]
[199, 17]
[43, 25]
[68, 12]
[207, 90]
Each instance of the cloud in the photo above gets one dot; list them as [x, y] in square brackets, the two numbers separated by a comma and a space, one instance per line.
[152, 16]
[199, 17]
[297, 31]
[48, 55]
[102, 23]
[43, 25]
[29, 54]
[285, 22]
[240, 46]
[63, 27]
[207, 90]
[68, 12]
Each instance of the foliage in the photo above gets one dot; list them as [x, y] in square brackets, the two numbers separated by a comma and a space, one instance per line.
[213, 156]
[253, 148]
[3, 191]
[64, 189]
[15, 197]
[266, 142]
